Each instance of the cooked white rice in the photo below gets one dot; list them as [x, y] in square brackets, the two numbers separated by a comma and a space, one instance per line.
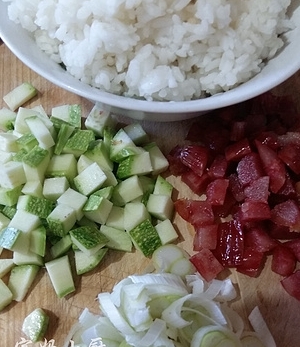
[157, 49]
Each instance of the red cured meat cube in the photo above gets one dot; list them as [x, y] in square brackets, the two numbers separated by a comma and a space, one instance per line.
[218, 167]
[230, 247]
[257, 238]
[196, 212]
[236, 188]
[195, 157]
[205, 237]
[249, 169]
[290, 138]
[216, 191]
[292, 284]
[288, 190]
[252, 211]
[206, 264]
[283, 261]
[238, 130]
[252, 262]
[294, 245]
[176, 166]
[290, 155]
[197, 183]
[237, 150]
[258, 190]
[273, 166]
[287, 214]
[269, 138]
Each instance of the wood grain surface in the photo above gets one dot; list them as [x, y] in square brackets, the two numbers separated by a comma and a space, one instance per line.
[281, 312]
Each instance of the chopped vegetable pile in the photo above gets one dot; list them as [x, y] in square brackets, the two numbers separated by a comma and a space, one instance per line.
[68, 190]
[166, 309]
[244, 164]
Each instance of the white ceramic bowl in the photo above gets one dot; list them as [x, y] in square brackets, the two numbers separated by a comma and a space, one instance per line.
[276, 71]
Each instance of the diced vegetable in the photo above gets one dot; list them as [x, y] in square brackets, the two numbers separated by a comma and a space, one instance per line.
[19, 95]
[35, 325]
[85, 263]
[21, 279]
[6, 296]
[59, 271]
[89, 240]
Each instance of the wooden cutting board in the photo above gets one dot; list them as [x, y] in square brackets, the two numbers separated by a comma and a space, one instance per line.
[281, 312]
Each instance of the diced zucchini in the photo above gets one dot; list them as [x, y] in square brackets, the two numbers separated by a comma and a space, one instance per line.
[111, 179]
[89, 240]
[145, 238]
[166, 231]
[35, 164]
[18, 156]
[139, 164]
[7, 119]
[134, 214]
[108, 134]
[20, 280]
[59, 271]
[127, 190]
[26, 258]
[40, 207]
[73, 199]
[78, 142]
[85, 263]
[90, 179]
[61, 220]
[116, 218]
[84, 221]
[35, 325]
[63, 165]
[98, 120]
[137, 134]
[105, 192]
[4, 221]
[21, 126]
[5, 266]
[97, 208]
[98, 152]
[25, 221]
[8, 237]
[54, 187]
[5, 156]
[122, 146]
[38, 241]
[40, 131]
[12, 174]
[10, 196]
[27, 142]
[159, 161]
[83, 162]
[64, 133]
[8, 142]
[6, 296]
[69, 114]
[19, 95]
[160, 206]
[9, 211]
[118, 239]
[61, 247]
[162, 187]
[33, 188]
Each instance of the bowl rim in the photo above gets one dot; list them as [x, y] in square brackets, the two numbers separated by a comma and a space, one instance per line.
[10, 34]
